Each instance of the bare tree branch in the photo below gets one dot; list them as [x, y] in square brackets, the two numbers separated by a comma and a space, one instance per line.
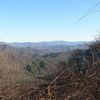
[90, 10]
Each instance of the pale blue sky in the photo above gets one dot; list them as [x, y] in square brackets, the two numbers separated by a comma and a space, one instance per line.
[47, 20]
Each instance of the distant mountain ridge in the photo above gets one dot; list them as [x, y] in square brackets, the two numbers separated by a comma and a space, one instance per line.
[48, 47]
[44, 43]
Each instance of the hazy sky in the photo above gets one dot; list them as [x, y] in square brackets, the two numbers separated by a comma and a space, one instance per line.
[47, 20]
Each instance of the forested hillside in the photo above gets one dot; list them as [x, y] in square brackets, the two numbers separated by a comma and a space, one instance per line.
[70, 75]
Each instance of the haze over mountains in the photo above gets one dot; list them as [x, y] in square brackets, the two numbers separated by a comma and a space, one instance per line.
[47, 47]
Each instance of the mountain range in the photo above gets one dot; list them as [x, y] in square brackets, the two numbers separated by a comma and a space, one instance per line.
[48, 47]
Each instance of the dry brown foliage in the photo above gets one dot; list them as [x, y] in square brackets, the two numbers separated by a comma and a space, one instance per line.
[77, 87]
[65, 86]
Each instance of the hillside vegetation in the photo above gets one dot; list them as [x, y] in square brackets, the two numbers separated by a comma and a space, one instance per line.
[79, 79]
[26, 74]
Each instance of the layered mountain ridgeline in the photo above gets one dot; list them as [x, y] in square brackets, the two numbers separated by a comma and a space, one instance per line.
[50, 47]
[19, 61]
[34, 74]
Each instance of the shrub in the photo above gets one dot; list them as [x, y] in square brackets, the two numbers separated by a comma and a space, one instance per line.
[78, 61]
[42, 64]
[29, 68]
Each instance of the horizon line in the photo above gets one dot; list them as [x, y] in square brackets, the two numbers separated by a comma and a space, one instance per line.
[44, 41]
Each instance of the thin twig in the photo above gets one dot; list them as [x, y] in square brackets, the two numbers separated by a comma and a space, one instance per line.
[89, 11]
